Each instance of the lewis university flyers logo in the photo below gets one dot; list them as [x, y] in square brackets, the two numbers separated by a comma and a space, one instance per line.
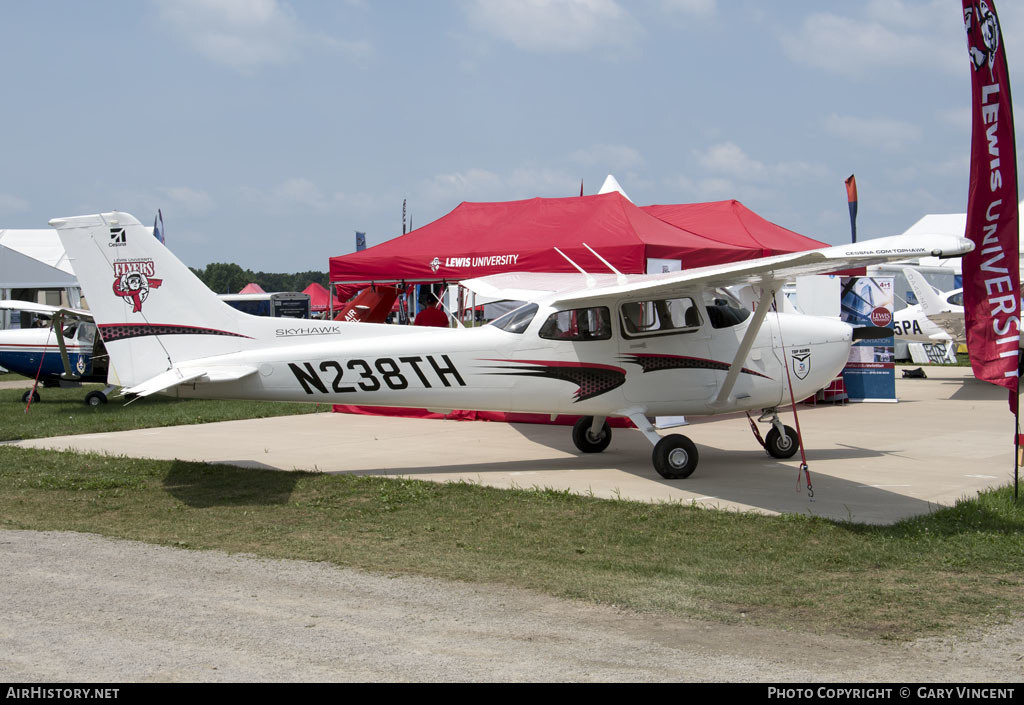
[133, 280]
[982, 35]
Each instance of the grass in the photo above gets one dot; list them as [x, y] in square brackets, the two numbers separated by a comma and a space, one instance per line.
[956, 568]
[62, 412]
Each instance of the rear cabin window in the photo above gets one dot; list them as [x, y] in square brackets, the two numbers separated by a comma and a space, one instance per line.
[659, 317]
[578, 324]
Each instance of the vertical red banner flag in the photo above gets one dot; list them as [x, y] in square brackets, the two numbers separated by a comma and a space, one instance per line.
[851, 198]
[990, 273]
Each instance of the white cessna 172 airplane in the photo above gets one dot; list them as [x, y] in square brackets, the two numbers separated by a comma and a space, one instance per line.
[592, 345]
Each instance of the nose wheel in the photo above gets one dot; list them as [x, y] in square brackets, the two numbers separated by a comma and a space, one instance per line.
[589, 440]
[782, 444]
[781, 441]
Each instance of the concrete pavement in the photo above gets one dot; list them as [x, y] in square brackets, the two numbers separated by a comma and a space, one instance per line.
[948, 437]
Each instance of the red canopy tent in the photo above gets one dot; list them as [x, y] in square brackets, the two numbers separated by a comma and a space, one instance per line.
[732, 223]
[320, 298]
[477, 239]
[252, 288]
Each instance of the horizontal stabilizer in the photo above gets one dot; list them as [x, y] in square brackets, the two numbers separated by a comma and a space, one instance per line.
[176, 376]
[32, 307]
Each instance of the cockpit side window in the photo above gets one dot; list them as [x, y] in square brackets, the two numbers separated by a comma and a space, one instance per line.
[722, 315]
[723, 309]
[516, 321]
[578, 324]
[659, 317]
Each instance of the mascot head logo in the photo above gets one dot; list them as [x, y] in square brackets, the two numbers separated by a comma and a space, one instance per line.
[982, 34]
[133, 281]
[435, 264]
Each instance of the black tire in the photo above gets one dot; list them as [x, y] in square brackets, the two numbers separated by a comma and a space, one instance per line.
[779, 446]
[586, 441]
[30, 393]
[675, 457]
[95, 399]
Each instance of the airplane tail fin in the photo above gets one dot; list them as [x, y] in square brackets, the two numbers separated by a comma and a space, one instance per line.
[930, 301]
[373, 305]
[152, 312]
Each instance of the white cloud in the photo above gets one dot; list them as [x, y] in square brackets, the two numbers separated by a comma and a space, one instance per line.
[290, 196]
[729, 158]
[473, 184]
[189, 199]
[247, 34]
[893, 36]
[697, 8]
[12, 204]
[957, 117]
[300, 192]
[729, 172]
[444, 191]
[555, 25]
[879, 133]
[609, 156]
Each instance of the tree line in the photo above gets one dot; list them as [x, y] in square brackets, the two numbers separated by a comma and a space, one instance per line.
[230, 278]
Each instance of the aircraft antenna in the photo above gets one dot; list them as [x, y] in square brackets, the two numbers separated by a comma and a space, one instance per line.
[590, 280]
[619, 276]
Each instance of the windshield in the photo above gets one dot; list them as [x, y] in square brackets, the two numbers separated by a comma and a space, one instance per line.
[516, 321]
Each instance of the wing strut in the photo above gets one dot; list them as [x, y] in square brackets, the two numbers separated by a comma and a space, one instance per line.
[763, 304]
[57, 324]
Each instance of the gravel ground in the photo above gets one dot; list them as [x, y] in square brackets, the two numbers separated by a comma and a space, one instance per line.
[82, 608]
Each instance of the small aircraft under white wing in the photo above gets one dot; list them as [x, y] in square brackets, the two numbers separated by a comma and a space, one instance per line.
[592, 345]
[66, 353]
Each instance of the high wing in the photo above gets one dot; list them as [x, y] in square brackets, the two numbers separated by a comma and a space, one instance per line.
[32, 307]
[575, 289]
[769, 273]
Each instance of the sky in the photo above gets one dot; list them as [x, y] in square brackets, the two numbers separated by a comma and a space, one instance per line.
[269, 131]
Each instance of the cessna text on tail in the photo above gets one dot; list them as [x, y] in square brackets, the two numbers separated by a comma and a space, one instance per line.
[591, 345]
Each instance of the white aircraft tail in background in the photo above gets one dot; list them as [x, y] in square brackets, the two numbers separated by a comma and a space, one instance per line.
[937, 317]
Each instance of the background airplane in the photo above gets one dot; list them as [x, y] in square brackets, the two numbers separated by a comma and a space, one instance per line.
[66, 352]
[597, 346]
[938, 317]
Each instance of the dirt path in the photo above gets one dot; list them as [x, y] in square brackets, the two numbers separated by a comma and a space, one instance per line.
[79, 607]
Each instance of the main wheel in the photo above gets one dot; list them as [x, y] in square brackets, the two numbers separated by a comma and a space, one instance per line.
[95, 399]
[30, 394]
[586, 441]
[675, 457]
[781, 446]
